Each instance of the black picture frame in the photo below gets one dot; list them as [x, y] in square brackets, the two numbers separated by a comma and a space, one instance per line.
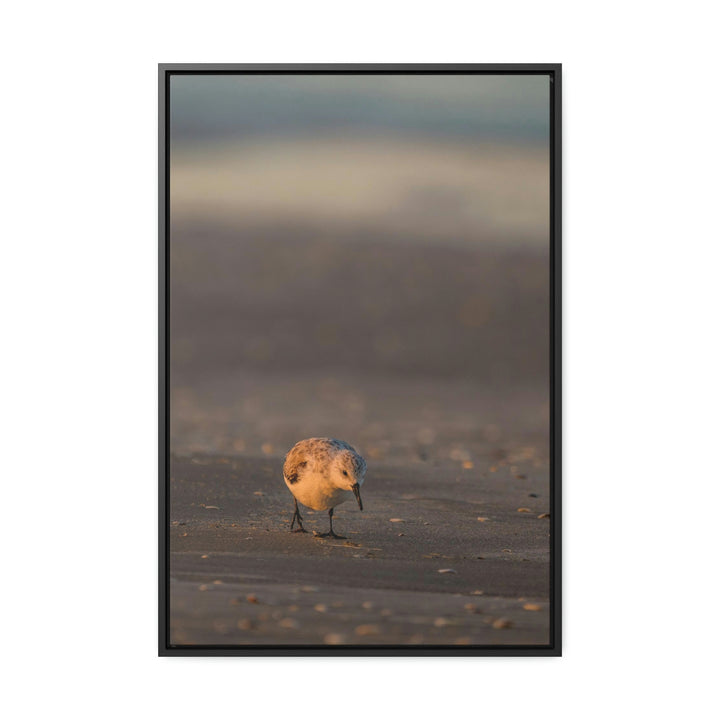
[554, 647]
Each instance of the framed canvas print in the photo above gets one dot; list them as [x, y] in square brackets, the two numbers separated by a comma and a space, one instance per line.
[359, 359]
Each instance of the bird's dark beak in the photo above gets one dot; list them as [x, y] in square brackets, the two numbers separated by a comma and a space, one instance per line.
[356, 492]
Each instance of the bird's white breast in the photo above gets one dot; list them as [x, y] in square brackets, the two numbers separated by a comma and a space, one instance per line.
[316, 491]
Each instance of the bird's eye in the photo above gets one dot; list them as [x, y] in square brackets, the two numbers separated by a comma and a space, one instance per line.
[344, 472]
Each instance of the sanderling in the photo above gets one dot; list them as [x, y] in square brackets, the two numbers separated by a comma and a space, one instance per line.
[322, 473]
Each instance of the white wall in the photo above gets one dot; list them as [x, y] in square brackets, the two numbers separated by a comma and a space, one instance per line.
[78, 294]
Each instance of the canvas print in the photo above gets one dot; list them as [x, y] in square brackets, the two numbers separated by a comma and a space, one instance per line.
[359, 367]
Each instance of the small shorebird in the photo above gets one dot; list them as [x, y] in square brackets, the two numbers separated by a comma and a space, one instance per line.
[322, 473]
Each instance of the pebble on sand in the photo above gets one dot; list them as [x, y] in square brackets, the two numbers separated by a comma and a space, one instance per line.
[502, 624]
[528, 510]
[447, 570]
[532, 606]
[544, 516]
[363, 630]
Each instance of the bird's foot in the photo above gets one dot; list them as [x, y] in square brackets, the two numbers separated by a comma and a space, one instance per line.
[299, 529]
[330, 534]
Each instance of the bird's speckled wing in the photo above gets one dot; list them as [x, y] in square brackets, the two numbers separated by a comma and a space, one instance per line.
[294, 463]
[315, 454]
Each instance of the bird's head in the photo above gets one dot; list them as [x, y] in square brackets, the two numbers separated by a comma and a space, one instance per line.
[349, 473]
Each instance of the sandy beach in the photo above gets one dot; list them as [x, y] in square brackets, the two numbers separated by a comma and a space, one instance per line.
[452, 547]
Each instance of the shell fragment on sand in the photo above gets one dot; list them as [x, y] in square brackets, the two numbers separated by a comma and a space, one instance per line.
[363, 630]
[502, 624]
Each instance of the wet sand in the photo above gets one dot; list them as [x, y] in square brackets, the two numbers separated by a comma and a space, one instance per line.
[441, 554]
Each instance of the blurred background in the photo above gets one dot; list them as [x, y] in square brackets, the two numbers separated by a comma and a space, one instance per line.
[360, 256]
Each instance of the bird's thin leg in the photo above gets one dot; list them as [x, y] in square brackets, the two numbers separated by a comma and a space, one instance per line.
[332, 533]
[296, 516]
